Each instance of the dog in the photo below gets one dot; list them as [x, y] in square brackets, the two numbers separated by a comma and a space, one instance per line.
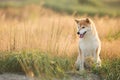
[89, 43]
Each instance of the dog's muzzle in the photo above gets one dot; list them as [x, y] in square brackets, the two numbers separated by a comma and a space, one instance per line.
[81, 35]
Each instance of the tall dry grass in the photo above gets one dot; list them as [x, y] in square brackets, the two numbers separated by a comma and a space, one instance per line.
[50, 32]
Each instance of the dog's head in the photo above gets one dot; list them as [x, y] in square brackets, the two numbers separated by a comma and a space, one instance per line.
[84, 26]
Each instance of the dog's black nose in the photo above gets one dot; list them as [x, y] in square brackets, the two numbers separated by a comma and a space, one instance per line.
[78, 32]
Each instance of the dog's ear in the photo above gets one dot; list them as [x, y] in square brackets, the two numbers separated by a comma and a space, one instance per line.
[77, 21]
[87, 20]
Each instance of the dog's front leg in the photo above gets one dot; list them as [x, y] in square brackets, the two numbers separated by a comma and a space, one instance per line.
[97, 57]
[78, 62]
[82, 62]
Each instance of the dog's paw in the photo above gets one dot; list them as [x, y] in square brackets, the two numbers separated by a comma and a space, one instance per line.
[98, 65]
[77, 66]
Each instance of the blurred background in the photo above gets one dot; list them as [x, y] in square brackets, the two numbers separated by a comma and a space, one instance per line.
[73, 7]
[38, 37]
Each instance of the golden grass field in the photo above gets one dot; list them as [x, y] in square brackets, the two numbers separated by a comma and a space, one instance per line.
[29, 29]
[47, 31]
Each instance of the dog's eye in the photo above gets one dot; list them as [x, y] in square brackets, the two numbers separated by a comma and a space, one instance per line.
[83, 27]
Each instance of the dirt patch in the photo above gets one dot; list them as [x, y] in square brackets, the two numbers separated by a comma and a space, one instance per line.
[72, 76]
[8, 76]
[85, 76]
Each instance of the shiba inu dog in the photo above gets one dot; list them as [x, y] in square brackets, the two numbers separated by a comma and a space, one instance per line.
[89, 43]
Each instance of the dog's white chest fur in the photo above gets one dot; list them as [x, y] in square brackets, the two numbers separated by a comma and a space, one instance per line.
[88, 45]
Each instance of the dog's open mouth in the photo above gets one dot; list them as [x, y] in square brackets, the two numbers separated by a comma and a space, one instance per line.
[82, 35]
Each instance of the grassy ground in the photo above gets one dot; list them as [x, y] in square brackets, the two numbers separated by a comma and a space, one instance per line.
[43, 65]
[36, 64]
[39, 42]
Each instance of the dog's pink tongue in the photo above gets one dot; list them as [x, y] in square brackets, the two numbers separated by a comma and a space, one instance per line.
[81, 35]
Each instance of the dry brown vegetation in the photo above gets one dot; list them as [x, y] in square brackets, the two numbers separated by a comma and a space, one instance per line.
[35, 28]
[48, 43]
